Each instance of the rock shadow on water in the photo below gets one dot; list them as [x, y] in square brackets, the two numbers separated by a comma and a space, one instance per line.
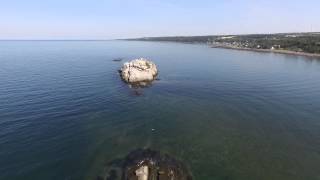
[140, 85]
[137, 92]
[146, 164]
[137, 89]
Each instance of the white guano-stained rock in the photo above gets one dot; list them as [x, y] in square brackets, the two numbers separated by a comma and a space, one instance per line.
[142, 173]
[138, 70]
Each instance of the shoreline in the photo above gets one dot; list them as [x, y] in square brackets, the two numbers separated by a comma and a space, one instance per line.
[285, 52]
[312, 55]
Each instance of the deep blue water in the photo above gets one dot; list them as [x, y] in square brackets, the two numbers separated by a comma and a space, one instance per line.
[64, 112]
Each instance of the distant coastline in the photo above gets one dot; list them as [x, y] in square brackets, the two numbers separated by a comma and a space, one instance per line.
[299, 44]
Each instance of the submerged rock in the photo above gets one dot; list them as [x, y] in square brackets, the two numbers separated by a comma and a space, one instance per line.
[117, 59]
[146, 164]
[139, 71]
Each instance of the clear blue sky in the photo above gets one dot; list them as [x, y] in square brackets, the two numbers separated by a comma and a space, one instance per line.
[107, 19]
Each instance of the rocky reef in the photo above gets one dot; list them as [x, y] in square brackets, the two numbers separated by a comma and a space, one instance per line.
[146, 164]
[138, 71]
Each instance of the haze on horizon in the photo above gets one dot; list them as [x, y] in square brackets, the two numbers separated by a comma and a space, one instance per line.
[110, 19]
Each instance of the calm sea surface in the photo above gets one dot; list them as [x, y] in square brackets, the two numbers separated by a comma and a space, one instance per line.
[229, 115]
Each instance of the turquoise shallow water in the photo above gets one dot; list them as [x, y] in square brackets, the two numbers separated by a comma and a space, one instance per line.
[64, 112]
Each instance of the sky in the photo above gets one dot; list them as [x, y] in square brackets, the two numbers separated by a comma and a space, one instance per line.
[112, 19]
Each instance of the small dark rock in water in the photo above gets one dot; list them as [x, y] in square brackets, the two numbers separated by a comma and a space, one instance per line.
[153, 164]
[117, 59]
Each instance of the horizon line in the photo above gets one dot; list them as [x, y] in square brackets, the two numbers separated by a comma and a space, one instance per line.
[307, 32]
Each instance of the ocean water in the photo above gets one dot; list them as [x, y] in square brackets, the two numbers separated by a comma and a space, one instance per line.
[227, 114]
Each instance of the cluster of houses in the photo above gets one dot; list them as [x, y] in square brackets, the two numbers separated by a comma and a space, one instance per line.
[245, 44]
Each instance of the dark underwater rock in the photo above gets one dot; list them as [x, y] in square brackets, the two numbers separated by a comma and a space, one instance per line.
[160, 167]
[117, 59]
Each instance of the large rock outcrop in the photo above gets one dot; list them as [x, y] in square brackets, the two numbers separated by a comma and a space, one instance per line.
[138, 70]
